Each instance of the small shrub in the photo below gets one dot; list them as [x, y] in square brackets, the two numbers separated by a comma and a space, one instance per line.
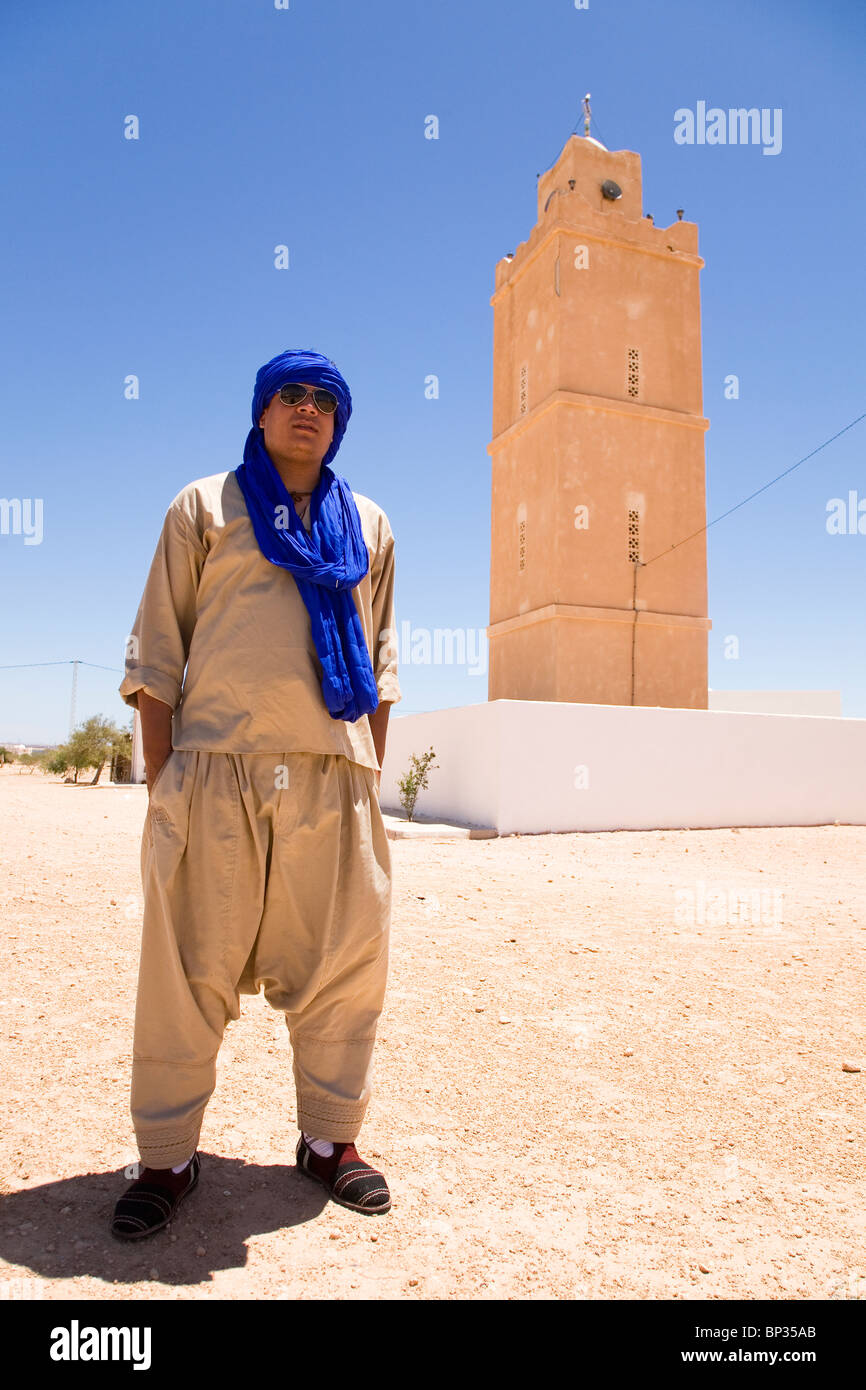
[415, 781]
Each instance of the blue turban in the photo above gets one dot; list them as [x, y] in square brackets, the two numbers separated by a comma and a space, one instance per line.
[303, 365]
[329, 562]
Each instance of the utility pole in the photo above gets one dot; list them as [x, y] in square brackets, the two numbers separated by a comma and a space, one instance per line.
[75, 666]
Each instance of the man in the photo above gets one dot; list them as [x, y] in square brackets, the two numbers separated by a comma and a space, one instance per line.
[265, 860]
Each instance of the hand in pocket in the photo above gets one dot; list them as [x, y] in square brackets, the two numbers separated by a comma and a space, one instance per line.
[153, 777]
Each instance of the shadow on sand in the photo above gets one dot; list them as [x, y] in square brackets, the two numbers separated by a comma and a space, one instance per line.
[60, 1230]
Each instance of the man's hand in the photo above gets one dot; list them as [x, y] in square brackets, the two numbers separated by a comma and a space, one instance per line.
[155, 735]
[152, 771]
[379, 729]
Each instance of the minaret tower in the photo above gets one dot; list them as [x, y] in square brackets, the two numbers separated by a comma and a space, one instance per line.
[598, 448]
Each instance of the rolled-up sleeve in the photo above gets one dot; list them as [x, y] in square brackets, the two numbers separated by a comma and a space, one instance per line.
[158, 645]
[384, 620]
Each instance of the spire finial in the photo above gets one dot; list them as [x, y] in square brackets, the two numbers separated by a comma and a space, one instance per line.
[586, 114]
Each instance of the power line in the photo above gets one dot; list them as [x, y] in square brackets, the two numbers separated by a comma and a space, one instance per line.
[574, 131]
[74, 663]
[594, 122]
[27, 665]
[676, 544]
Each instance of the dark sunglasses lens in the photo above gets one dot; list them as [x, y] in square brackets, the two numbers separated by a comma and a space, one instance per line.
[326, 401]
[292, 394]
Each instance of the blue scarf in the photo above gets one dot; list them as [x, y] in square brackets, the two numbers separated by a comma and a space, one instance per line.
[329, 562]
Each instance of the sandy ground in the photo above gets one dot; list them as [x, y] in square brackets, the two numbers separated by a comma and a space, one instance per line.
[587, 1085]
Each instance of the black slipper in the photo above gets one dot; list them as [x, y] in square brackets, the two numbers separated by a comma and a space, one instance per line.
[349, 1180]
[152, 1200]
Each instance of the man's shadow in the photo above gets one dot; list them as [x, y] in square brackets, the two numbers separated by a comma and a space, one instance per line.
[60, 1230]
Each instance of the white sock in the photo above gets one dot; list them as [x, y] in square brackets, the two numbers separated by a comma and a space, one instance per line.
[180, 1167]
[323, 1147]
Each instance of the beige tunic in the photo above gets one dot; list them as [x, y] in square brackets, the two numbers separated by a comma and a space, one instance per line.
[253, 678]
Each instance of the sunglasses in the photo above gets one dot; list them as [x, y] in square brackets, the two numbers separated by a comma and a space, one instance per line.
[294, 393]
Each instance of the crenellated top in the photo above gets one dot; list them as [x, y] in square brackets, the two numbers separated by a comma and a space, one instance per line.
[570, 195]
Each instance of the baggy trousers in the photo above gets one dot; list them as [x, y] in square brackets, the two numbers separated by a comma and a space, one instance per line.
[260, 871]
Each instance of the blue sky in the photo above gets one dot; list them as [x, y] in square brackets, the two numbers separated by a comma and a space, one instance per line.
[305, 127]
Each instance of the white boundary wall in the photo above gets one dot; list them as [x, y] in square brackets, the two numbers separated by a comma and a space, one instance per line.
[777, 701]
[515, 766]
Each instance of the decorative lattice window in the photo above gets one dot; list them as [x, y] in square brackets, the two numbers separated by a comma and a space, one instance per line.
[521, 544]
[633, 536]
[523, 389]
[633, 371]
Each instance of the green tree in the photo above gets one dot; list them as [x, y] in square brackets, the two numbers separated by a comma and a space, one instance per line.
[5, 757]
[56, 760]
[415, 780]
[92, 743]
[121, 756]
